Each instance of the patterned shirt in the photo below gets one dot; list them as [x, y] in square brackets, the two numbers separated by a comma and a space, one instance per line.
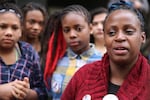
[26, 66]
[66, 68]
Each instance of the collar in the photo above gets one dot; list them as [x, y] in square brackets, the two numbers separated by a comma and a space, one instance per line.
[86, 53]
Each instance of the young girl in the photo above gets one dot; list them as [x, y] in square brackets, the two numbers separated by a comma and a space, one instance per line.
[73, 32]
[35, 17]
[123, 73]
[97, 35]
[20, 73]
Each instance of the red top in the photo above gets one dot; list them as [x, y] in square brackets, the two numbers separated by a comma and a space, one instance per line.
[91, 81]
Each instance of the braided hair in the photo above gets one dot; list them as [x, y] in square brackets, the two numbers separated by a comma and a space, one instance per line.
[127, 6]
[57, 44]
[77, 9]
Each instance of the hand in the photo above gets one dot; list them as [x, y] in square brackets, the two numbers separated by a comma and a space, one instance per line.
[21, 88]
[6, 91]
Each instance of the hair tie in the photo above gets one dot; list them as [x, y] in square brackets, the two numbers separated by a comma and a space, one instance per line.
[10, 10]
[119, 4]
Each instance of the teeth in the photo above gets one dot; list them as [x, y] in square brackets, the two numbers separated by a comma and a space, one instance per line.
[120, 48]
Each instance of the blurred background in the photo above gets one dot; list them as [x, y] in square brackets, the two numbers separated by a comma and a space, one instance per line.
[53, 5]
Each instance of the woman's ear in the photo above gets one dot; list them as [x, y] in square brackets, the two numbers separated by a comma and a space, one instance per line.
[143, 37]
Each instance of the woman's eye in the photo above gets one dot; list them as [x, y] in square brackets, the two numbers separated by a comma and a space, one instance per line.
[111, 33]
[129, 32]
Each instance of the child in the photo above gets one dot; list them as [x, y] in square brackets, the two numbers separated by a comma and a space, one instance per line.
[97, 35]
[35, 17]
[73, 32]
[20, 73]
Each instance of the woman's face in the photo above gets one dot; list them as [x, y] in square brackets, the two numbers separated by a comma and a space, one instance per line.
[10, 29]
[34, 24]
[123, 36]
[76, 31]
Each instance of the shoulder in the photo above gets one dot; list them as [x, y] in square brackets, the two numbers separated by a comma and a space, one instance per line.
[25, 45]
[27, 49]
[89, 69]
[95, 53]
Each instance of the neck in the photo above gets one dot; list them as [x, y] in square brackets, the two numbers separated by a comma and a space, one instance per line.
[100, 45]
[99, 42]
[119, 72]
[4, 51]
[9, 55]
[33, 41]
[82, 50]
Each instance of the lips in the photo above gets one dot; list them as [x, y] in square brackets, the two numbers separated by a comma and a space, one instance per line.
[7, 40]
[75, 43]
[120, 50]
[100, 32]
[35, 33]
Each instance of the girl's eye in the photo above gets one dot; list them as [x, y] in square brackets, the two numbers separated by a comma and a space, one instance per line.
[41, 23]
[31, 21]
[66, 30]
[3, 26]
[15, 27]
[95, 23]
[78, 29]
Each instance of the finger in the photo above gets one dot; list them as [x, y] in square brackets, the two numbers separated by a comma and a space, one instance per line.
[20, 84]
[14, 94]
[17, 93]
[26, 79]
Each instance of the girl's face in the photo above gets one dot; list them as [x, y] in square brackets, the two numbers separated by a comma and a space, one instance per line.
[34, 24]
[76, 31]
[97, 25]
[10, 29]
[123, 36]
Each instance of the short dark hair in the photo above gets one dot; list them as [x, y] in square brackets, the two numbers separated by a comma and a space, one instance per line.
[97, 11]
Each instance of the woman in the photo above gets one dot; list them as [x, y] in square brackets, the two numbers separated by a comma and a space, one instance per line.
[20, 73]
[123, 73]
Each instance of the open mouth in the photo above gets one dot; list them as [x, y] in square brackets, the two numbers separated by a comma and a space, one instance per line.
[120, 50]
